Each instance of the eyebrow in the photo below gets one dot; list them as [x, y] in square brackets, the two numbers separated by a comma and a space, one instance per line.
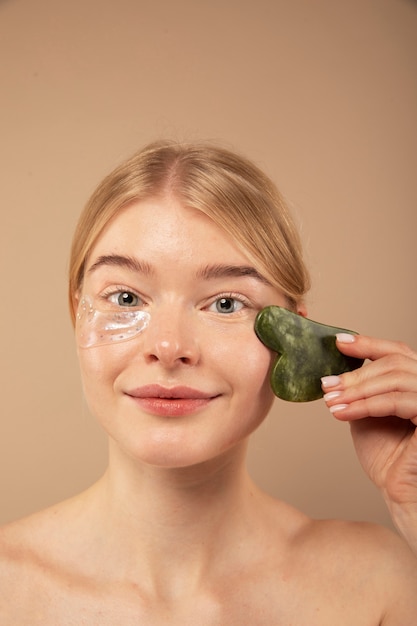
[224, 271]
[119, 260]
[208, 272]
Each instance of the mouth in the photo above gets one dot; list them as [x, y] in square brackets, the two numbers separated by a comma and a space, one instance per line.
[174, 401]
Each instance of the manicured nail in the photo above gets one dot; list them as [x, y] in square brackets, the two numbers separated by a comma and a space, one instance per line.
[332, 395]
[345, 337]
[337, 407]
[330, 381]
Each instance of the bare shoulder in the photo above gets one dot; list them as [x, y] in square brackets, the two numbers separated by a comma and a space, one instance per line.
[43, 534]
[19, 565]
[37, 564]
[347, 532]
[360, 545]
[23, 542]
[371, 562]
[17, 540]
[350, 541]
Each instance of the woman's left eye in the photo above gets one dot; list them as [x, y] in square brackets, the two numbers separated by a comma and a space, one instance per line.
[124, 298]
[226, 304]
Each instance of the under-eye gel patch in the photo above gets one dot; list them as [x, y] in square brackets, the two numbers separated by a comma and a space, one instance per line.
[96, 328]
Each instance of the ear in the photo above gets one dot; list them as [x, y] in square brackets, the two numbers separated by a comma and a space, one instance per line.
[302, 309]
[74, 302]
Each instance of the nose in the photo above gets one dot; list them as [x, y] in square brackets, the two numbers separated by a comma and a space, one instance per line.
[170, 339]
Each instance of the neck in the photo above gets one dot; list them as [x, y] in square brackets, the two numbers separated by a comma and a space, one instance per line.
[175, 520]
[142, 494]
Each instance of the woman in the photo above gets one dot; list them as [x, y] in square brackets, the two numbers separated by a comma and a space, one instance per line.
[176, 252]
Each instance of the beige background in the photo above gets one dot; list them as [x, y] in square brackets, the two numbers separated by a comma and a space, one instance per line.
[321, 93]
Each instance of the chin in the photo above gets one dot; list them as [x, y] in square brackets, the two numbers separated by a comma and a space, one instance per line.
[179, 454]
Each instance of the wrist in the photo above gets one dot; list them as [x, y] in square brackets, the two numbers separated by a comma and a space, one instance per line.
[405, 521]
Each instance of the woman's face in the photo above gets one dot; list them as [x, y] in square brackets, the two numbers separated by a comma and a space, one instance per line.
[195, 382]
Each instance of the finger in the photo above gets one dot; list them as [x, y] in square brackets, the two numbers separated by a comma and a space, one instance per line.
[365, 347]
[373, 383]
[397, 371]
[394, 403]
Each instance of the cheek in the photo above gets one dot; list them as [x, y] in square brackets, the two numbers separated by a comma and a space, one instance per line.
[92, 378]
[258, 385]
[99, 369]
[246, 362]
[246, 368]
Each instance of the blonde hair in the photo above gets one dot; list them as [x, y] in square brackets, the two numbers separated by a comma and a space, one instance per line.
[227, 187]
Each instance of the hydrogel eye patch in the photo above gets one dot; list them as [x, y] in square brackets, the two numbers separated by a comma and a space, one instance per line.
[97, 328]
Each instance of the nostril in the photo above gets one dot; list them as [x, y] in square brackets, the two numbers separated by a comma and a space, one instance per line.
[170, 346]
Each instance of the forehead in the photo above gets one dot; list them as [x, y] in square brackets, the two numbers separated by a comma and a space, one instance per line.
[165, 241]
[163, 227]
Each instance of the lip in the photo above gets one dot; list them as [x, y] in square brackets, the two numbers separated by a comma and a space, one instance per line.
[170, 393]
[170, 401]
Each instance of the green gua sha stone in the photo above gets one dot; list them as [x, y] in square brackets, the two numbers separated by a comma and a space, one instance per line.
[306, 352]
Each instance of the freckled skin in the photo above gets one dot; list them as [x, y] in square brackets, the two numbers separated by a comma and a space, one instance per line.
[306, 352]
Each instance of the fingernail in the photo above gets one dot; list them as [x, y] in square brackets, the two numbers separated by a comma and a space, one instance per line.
[330, 381]
[332, 395]
[337, 407]
[345, 337]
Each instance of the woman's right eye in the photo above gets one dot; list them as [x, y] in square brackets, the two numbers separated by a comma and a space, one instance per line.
[125, 299]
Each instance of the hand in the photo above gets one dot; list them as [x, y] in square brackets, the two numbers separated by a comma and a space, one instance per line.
[380, 402]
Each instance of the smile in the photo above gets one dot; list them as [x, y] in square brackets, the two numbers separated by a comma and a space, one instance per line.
[173, 402]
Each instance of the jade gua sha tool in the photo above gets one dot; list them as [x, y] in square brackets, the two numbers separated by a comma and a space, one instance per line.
[306, 351]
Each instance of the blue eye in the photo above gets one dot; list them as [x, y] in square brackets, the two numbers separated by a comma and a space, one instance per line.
[228, 305]
[124, 298]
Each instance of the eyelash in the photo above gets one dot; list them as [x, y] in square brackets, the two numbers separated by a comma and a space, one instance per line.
[119, 289]
[231, 296]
